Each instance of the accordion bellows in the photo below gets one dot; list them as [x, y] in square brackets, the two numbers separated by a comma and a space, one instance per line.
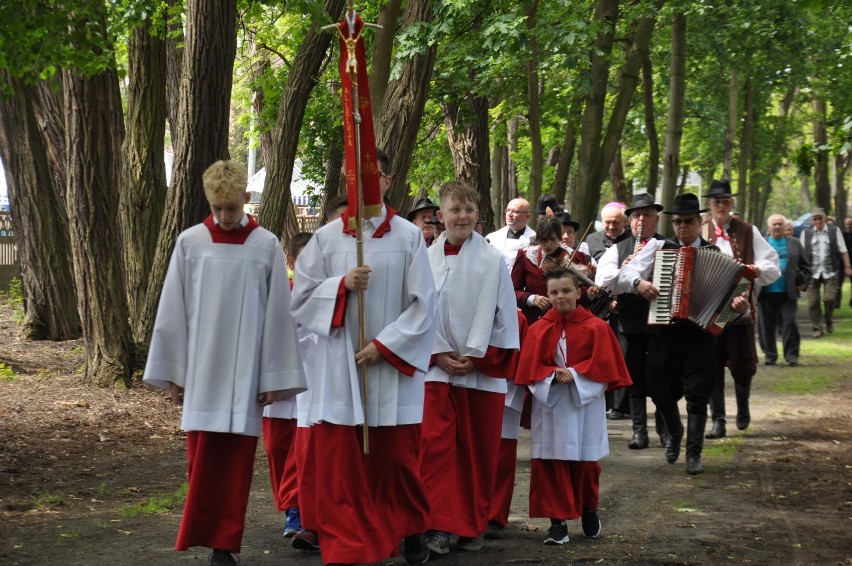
[697, 285]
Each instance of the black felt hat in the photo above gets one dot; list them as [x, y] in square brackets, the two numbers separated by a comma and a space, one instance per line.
[547, 201]
[686, 203]
[642, 200]
[422, 204]
[565, 218]
[720, 189]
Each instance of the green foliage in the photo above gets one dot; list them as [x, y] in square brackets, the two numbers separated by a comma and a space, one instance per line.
[156, 505]
[804, 160]
[45, 501]
[7, 374]
[13, 297]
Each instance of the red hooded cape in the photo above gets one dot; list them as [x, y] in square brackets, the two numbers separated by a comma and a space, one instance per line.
[593, 349]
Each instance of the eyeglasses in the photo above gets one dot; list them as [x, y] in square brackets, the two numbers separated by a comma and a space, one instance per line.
[516, 212]
[383, 174]
[682, 221]
[646, 214]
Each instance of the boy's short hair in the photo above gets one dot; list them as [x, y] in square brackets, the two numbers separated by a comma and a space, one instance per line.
[333, 204]
[560, 272]
[383, 160]
[550, 226]
[297, 243]
[460, 191]
[224, 181]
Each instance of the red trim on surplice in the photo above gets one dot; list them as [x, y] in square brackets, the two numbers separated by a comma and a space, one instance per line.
[366, 504]
[593, 350]
[338, 318]
[495, 363]
[220, 467]
[383, 228]
[563, 489]
[237, 235]
[279, 436]
[394, 360]
[458, 464]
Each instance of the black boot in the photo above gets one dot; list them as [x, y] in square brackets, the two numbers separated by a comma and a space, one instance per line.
[661, 428]
[639, 414]
[694, 443]
[743, 413]
[717, 411]
[672, 419]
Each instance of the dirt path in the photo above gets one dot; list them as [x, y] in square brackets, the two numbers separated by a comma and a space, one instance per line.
[73, 460]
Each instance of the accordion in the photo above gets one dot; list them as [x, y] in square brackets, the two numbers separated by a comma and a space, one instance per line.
[697, 285]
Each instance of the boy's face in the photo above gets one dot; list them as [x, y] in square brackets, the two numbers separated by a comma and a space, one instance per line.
[458, 218]
[563, 294]
[229, 213]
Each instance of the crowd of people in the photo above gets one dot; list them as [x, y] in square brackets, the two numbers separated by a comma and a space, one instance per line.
[464, 338]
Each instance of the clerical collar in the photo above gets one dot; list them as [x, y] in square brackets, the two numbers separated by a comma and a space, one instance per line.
[515, 234]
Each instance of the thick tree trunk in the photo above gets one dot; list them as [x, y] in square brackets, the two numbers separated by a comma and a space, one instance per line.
[36, 197]
[841, 168]
[277, 213]
[746, 144]
[566, 153]
[621, 187]
[511, 166]
[143, 171]
[334, 181]
[650, 126]
[205, 98]
[467, 134]
[534, 105]
[498, 167]
[382, 50]
[94, 133]
[674, 123]
[174, 68]
[822, 185]
[398, 121]
[585, 200]
[731, 130]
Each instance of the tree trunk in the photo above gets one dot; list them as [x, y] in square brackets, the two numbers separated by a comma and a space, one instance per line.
[534, 105]
[277, 213]
[382, 49]
[94, 132]
[731, 130]
[205, 98]
[498, 167]
[511, 166]
[822, 185]
[334, 181]
[650, 126]
[566, 154]
[591, 129]
[746, 144]
[143, 171]
[398, 121]
[467, 134]
[620, 187]
[39, 218]
[841, 168]
[674, 124]
[174, 67]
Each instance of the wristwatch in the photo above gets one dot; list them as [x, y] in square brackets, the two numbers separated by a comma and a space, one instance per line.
[636, 282]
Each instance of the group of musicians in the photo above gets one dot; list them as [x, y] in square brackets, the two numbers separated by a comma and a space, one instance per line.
[666, 362]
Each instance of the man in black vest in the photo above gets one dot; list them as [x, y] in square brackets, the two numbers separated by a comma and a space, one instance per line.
[633, 310]
[826, 249]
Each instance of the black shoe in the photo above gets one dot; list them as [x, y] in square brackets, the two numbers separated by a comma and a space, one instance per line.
[665, 439]
[693, 465]
[792, 364]
[494, 531]
[743, 421]
[769, 363]
[591, 524]
[673, 447]
[415, 549]
[717, 430]
[306, 540]
[557, 534]
[639, 440]
[222, 558]
[614, 415]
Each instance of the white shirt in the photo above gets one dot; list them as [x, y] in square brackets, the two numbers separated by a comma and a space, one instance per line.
[820, 250]
[508, 246]
[765, 256]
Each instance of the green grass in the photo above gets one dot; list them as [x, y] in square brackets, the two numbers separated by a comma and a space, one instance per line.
[14, 297]
[48, 501]
[7, 374]
[156, 505]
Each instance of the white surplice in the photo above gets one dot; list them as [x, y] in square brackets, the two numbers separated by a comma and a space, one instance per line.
[223, 331]
[400, 313]
[568, 419]
[509, 246]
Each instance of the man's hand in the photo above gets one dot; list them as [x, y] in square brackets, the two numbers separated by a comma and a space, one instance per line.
[562, 375]
[357, 279]
[848, 270]
[266, 398]
[740, 304]
[453, 364]
[541, 303]
[647, 290]
[756, 269]
[370, 355]
[176, 392]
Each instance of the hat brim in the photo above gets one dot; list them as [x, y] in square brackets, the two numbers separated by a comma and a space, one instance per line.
[699, 211]
[629, 211]
[574, 225]
[410, 215]
[720, 195]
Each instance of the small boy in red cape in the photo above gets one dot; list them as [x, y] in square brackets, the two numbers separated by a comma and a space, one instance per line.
[569, 359]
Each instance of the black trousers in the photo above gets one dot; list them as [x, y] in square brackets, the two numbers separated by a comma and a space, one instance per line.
[681, 364]
[636, 358]
[777, 313]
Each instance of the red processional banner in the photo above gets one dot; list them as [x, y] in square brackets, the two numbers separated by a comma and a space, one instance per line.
[352, 44]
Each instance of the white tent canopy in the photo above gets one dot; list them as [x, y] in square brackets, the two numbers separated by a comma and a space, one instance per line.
[300, 187]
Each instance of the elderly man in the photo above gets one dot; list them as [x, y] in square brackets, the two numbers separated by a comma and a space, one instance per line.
[421, 216]
[633, 310]
[735, 348]
[515, 234]
[615, 222]
[776, 304]
[826, 250]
